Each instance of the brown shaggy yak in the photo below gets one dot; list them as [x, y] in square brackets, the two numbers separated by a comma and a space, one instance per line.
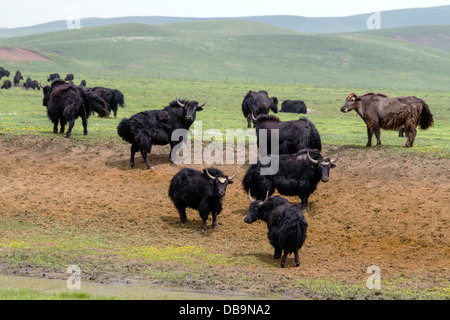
[380, 111]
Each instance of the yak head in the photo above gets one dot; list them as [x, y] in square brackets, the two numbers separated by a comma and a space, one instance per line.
[220, 182]
[190, 109]
[255, 210]
[324, 164]
[351, 102]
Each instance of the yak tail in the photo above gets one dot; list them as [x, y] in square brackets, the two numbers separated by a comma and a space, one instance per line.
[118, 96]
[124, 130]
[95, 103]
[292, 238]
[274, 106]
[426, 118]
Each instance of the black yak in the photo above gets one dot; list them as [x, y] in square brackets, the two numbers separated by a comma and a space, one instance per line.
[6, 84]
[379, 111]
[286, 225]
[293, 106]
[147, 128]
[17, 78]
[53, 76]
[69, 77]
[256, 103]
[4, 73]
[112, 97]
[294, 135]
[298, 175]
[200, 190]
[66, 102]
[33, 84]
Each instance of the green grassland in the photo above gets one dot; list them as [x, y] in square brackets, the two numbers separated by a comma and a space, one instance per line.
[22, 112]
[226, 50]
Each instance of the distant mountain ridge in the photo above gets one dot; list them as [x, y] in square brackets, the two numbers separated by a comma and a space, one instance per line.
[388, 19]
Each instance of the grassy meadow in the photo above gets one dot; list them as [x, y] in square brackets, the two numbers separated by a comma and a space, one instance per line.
[22, 112]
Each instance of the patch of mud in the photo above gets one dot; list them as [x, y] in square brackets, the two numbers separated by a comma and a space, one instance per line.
[390, 210]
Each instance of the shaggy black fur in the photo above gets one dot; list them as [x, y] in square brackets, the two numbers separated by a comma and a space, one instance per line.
[195, 189]
[297, 176]
[147, 128]
[66, 102]
[286, 225]
[293, 135]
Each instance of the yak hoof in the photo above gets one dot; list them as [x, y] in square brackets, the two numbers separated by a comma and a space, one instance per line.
[282, 265]
[297, 264]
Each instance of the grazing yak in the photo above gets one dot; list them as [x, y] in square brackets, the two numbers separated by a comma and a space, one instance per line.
[293, 106]
[66, 102]
[6, 84]
[112, 97]
[147, 128]
[298, 175]
[33, 84]
[17, 78]
[200, 190]
[69, 77]
[256, 103]
[286, 225]
[294, 135]
[53, 76]
[4, 73]
[379, 111]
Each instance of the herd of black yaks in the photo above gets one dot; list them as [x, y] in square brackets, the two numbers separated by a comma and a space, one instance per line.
[300, 165]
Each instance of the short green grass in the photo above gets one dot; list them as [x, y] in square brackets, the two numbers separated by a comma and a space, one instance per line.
[30, 294]
[22, 112]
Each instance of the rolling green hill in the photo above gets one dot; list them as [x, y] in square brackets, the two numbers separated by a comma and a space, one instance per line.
[439, 15]
[237, 50]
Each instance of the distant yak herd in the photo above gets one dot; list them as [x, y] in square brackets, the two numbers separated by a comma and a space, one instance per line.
[301, 164]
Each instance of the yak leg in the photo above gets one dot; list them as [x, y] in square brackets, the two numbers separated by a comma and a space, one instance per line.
[376, 131]
[204, 216]
[249, 121]
[134, 149]
[400, 132]
[369, 137]
[84, 121]
[277, 253]
[71, 124]
[183, 217]
[63, 123]
[297, 259]
[283, 260]
[204, 212]
[55, 126]
[147, 162]
[411, 134]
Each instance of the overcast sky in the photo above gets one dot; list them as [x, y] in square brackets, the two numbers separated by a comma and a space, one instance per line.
[31, 12]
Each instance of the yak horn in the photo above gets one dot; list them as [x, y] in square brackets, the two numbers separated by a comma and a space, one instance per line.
[335, 159]
[40, 84]
[250, 196]
[267, 197]
[209, 175]
[253, 117]
[234, 176]
[311, 159]
[179, 103]
[203, 104]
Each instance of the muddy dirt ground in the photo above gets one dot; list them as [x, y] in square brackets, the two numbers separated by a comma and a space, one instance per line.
[379, 208]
